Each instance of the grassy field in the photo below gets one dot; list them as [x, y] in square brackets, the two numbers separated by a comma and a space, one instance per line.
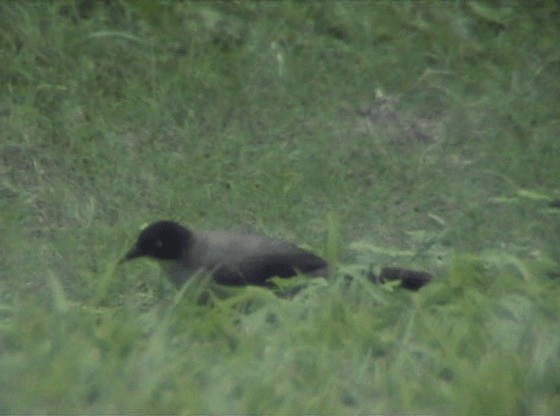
[414, 134]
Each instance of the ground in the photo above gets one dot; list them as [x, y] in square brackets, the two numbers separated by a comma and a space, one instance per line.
[411, 134]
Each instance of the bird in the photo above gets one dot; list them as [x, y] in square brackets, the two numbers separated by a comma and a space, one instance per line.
[232, 259]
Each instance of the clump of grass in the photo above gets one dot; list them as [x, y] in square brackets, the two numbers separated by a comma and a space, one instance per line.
[465, 343]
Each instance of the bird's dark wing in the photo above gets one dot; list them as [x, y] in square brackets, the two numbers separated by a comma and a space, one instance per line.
[257, 269]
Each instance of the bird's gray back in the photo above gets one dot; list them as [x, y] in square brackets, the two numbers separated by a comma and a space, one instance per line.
[226, 248]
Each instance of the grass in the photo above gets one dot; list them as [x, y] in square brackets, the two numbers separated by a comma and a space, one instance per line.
[415, 134]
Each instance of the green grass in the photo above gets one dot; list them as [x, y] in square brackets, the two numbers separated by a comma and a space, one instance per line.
[415, 134]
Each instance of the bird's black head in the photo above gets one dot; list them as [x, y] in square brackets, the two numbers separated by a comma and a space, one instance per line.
[164, 240]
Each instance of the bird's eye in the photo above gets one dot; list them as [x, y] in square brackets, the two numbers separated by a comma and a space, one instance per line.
[158, 244]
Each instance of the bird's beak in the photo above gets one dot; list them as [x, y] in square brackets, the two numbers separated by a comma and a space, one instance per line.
[132, 254]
